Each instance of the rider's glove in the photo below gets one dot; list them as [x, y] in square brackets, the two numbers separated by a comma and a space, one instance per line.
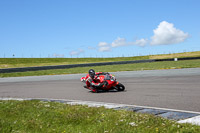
[101, 84]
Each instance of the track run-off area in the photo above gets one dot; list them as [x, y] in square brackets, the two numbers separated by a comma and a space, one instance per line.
[177, 89]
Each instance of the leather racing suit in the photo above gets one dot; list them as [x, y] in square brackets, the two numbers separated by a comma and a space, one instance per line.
[94, 84]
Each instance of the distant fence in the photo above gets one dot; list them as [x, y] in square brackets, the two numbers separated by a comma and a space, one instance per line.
[24, 69]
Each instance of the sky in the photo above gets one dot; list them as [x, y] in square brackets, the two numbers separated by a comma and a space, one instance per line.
[98, 28]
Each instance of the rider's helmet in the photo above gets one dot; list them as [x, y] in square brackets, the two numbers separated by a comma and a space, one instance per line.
[91, 73]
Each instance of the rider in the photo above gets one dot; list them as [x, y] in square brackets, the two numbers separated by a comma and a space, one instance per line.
[92, 80]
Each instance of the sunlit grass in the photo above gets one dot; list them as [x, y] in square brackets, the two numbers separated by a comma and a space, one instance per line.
[176, 55]
[30, 62]
[37, 116]
[111, 68]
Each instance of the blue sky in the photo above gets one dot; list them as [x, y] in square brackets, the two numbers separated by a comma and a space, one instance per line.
[98, 28]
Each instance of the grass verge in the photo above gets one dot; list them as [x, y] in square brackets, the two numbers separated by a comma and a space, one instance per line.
[176, 55]
[37, 116]
[33, 62]
[111, 68]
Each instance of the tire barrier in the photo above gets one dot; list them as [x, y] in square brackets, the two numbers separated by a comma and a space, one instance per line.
[25, 69]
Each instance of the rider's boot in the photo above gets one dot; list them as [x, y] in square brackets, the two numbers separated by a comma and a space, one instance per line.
[85, 86]
[93, 89]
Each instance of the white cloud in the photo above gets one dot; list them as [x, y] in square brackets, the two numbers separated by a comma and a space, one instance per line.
[166, 33]
[102, 44]
[122, 42]
[119, 42]
[104, 47]
[141, 42]
[77, 52]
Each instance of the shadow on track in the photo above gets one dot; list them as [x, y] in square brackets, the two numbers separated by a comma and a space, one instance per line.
[107, 91]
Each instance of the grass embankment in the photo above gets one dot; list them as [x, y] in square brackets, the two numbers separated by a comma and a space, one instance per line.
[111, 68]
[176, 55]
[37, 116]
[30, 62]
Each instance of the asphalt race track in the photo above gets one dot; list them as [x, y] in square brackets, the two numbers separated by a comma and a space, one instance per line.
[173, 89]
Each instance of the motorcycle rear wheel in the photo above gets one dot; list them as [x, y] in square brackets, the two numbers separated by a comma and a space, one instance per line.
[120, 87]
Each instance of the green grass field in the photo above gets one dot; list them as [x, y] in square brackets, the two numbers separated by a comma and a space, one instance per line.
[37, 116]
[111, 68]
[51, 117]
[29, 62]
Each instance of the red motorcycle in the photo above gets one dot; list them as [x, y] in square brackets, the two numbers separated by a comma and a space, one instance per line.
[109, 81]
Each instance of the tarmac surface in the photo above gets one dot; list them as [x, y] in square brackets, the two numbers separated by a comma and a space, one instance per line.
[173, 89]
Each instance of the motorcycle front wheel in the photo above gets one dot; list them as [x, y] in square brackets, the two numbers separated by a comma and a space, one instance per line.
[120, 87]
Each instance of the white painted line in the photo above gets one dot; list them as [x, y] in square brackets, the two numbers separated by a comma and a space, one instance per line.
[173, 110]
[194, 120]
[109, 105]
[18, 99]
[97, 104]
